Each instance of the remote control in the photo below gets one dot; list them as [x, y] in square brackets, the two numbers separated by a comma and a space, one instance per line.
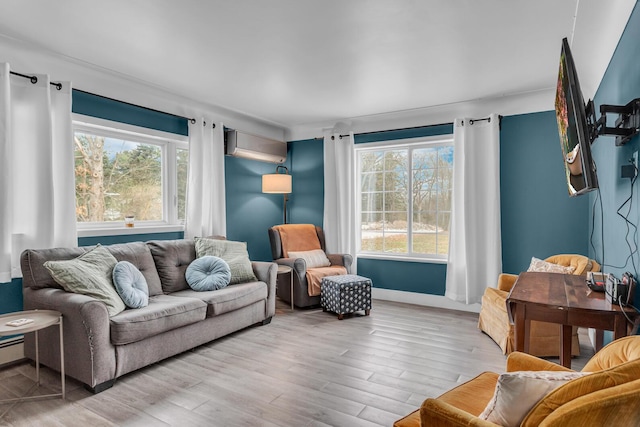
[20, 322]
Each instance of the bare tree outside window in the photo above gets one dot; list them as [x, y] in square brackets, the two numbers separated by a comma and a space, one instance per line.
[405, 200]
[119, 177]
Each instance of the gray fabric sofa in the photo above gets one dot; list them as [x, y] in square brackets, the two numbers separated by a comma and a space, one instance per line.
[99, 349]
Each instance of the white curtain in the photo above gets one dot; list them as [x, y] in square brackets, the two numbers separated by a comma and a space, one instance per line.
[339, 195]
[206, 206]
[475, 248]
[37, 181]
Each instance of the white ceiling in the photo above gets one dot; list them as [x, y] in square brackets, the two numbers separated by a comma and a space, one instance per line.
[297, 63]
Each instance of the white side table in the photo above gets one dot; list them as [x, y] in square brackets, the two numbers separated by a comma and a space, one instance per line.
[285, 269]
[41, 319]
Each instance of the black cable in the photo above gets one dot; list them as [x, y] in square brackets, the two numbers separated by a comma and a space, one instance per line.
[632, 250]
[601, 228]
[593, 226]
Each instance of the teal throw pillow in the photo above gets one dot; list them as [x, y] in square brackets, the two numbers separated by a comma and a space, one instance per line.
[131, 285]
[89, 274]
[208, 273]
[234, 253]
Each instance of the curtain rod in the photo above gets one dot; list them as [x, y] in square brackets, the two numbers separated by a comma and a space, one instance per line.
[471, 121]
[394, 130]
[34, 80]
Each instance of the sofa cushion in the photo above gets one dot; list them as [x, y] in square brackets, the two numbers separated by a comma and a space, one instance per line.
[234, 253]
[208, 274]
[313, 259]
[130, 284]
[517, 392]
[138, 254]
[230, 298]
[172, 257]
[89, 274]
[164, 313]
[540, 266]
[35, 275]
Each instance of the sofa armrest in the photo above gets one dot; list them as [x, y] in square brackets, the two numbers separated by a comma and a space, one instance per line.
[517, 361]
[506, 281]
[437, 413]
[87, 336]
[344, 260]
[267, 272]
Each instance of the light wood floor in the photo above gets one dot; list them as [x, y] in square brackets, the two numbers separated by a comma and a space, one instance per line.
[304, 369]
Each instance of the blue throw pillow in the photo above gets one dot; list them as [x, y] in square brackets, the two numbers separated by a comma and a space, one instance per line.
[208, 273]
[131, 285]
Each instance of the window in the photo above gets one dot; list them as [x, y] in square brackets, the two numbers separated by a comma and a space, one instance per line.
[123, 170]
[405, 197]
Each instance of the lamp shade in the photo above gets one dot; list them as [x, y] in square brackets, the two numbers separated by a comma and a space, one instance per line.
[276, 183]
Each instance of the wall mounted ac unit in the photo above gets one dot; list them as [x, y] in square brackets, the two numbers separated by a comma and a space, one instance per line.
[241, 144]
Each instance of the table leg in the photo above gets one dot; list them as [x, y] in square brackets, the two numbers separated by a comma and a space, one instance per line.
[62, 376]
[518, 327]
[620, 327]
[599, 339]
[565, 346]
[291, 283]
[37, 359]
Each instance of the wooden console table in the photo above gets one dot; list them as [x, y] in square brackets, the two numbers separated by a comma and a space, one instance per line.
[563, 299]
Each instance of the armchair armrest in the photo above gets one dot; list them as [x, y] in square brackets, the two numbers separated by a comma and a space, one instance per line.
[344, 260]
[298, 265]
[506, 281]
[517, 361]
[436, 413]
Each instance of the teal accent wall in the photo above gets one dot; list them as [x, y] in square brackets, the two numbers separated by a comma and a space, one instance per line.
[110, 109]
[111, 240]
[419, 277]
[250, 213]
[538, 216]
[620, 84]
[306, 203]
[11, 296]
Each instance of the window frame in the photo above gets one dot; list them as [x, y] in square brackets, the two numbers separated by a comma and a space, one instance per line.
[169, 143]
[445, 140]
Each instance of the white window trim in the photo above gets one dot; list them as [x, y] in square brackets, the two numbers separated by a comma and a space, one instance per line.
[431, 141]
[168, 142]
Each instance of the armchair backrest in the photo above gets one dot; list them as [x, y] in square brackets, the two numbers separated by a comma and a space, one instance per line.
[615, 372]
[276, 241]
[580, 263]
[615, 353]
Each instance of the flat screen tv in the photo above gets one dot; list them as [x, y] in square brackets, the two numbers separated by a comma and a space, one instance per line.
[574, 128]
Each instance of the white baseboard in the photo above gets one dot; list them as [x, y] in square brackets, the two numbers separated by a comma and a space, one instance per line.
[11, 350]
[423, 299]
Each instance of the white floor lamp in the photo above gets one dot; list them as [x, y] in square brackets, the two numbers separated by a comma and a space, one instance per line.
[278, 183]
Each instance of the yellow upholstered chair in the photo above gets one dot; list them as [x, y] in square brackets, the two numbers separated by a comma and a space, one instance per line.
[609, 395]
[545, 337]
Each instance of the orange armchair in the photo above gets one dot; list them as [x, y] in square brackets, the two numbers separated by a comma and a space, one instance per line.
[545, 337]
[609, 395]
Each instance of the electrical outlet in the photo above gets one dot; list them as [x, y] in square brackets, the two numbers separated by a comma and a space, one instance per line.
[630, 170]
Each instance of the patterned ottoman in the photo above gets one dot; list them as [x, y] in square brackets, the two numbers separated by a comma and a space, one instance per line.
[346, 293]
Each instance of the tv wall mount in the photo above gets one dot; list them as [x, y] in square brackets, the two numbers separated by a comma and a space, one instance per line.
[627, 125]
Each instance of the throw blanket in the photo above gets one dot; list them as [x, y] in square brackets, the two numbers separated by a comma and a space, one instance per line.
[315, 275]
[298, 237]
